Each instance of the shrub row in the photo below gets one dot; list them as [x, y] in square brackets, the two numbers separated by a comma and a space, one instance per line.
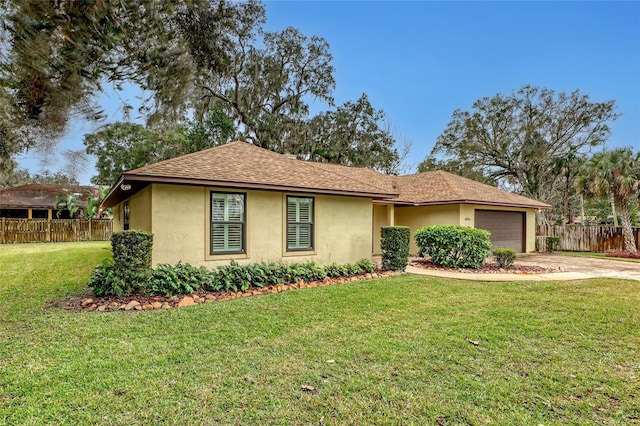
[454, 246]
[168, 280]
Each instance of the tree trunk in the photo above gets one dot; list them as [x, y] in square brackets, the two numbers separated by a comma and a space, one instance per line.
[566, 200]
[613, 210]
[627, 230]
[582, 209]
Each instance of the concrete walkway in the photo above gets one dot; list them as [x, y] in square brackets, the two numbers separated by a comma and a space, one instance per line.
[569, 268]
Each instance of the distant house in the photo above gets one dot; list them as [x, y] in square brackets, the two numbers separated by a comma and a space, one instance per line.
[37, 201]
[244, 203]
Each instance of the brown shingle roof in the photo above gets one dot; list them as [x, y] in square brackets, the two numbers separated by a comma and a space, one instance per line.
[242, 165]
[437, 187]
[40, 196]
[440, 187]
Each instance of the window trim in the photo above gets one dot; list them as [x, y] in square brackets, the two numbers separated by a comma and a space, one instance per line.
[312, 223]
[243, 250]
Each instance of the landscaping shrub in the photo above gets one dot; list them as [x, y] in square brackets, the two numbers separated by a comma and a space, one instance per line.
[504, 256]
[235, 277]
[132, 259]
[104, 281]
[552, 244]
[366, 265]
[130, 270]
[395, 247]
[169, 280]
[454, 246]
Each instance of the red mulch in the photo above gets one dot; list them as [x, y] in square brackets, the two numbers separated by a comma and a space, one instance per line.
[487, 268]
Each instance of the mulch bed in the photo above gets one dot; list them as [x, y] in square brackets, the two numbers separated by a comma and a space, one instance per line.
[487, 268]
[91, 303]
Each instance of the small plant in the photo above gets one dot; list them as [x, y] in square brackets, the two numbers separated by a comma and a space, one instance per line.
[552, 244]
[366, 265]
[505, 256]
[235, 277]
[454, 246]
[333, 270]
[104, 281]
[182, 278]
[395, 247]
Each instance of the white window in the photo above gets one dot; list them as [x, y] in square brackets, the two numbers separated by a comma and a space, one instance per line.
[299, 223]
[228, 223]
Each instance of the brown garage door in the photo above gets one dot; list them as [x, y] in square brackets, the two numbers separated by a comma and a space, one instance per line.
[507, 228]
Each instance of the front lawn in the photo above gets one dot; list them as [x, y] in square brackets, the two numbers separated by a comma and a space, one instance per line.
[398, 350]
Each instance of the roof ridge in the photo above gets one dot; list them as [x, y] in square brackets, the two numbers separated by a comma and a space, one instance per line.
[448, 179]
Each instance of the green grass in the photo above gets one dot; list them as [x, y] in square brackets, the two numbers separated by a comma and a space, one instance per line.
[596, 256]
[549, 353]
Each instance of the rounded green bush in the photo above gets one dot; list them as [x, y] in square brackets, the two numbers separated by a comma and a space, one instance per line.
[504, 256]
[454, 246]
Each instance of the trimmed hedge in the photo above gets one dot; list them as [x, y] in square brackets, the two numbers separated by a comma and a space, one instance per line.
[395, 247]
[130, 271]
[505, 256]
[454, 246]
[168, 280]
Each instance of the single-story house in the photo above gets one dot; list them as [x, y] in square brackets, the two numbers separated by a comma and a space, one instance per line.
[244, 203]
[37, 201]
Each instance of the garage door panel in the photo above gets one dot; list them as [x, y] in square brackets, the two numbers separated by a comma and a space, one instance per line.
[506, 227]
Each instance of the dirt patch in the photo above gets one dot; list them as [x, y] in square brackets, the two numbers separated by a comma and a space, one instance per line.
[486, 268]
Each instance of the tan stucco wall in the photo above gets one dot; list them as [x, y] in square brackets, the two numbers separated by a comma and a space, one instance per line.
[141, 219]
[418, 217]
[180, 218]
[380, 219]
[468, 210]
[140, 203]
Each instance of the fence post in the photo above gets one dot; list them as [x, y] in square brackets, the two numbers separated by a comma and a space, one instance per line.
[4, 230]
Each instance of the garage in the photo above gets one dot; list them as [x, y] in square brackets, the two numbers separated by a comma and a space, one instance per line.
[507, 228]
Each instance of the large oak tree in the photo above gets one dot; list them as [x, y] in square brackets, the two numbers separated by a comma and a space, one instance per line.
[516, 138]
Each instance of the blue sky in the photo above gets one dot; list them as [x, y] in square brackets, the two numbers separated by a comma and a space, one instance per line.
[419, 61]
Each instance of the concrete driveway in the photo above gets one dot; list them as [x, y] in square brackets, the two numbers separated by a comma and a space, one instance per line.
[590, 266]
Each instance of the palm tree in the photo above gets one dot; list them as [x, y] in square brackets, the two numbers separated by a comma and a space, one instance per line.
[614, 174]
[93, 203]
[67, 200]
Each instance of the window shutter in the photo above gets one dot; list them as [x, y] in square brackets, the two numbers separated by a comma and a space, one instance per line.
[227, 223]
[299, 223]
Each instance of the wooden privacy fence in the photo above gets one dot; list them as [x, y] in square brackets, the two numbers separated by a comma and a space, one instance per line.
[54, 230]
[585, 238]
